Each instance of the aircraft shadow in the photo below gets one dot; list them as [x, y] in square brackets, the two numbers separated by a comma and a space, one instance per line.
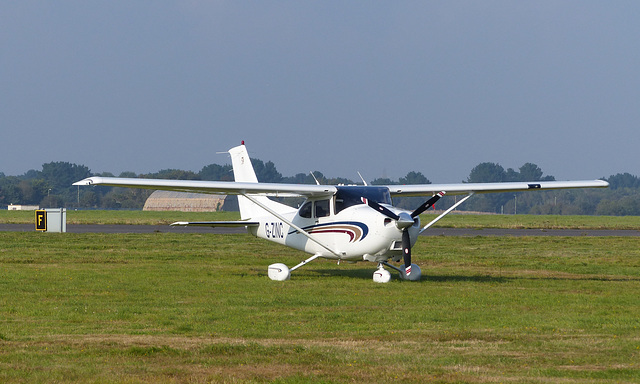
[367, 274]
[363, 273]
[461, 279]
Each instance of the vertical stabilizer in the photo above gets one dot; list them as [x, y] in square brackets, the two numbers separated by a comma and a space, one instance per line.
[243, 172]
[242, 168]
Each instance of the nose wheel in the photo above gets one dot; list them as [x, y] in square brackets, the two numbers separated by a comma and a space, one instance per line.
[381, 275]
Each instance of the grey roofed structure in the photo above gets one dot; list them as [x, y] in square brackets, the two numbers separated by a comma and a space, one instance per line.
[183, 202]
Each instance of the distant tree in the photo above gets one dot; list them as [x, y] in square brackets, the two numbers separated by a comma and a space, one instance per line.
[410, 203]
[506, 202]
[487, 173]
[52, 187]
[33, 191]
[10, 193]
[52, 201]
[623, 206]
[215, 172]
[511, 175]
[300, 178]
[266, 172]
[61, 175]
[307, 178]
[531, 172]
[32, 174]
[125, 198]
[173, 174]
[414, 178]
[89, 199]
[494, 173]
[383, 181]
[339, 181]
[317, 175]
[623, 180]
[109, 201]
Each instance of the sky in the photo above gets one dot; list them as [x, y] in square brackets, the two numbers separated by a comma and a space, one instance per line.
[377, 87]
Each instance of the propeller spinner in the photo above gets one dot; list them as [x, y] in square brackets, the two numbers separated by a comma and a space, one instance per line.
[403, 222]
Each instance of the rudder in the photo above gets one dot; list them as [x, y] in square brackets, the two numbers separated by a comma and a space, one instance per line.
[242, 167]
[243, 172]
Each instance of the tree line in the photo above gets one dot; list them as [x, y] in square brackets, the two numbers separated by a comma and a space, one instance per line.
[52, 187]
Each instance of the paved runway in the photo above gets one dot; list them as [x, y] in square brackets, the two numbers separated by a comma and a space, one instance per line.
[94, 228]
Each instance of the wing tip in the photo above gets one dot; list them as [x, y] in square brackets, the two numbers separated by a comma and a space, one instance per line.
[87, 181]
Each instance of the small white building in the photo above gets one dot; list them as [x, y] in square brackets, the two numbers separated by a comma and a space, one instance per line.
[12, 207]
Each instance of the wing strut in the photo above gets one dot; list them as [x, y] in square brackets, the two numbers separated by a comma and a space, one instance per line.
[443, 214]
[302, 231]
[304, 262]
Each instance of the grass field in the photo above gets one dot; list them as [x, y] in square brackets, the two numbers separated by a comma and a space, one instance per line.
[182, 308]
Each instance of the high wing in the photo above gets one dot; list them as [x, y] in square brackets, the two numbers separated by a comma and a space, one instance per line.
[310, 190]
[473, 188]
[215, 187]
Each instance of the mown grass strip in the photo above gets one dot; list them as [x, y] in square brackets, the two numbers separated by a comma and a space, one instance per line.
[190, 307]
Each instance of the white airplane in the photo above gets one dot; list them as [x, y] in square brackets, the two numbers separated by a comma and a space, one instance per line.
[345, 223]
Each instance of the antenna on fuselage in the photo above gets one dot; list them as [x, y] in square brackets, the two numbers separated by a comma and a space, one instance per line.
[226, 152]
[314, 177]
[362, 178]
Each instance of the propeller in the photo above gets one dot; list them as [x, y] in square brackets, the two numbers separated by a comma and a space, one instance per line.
[403, 222]
[427, 204]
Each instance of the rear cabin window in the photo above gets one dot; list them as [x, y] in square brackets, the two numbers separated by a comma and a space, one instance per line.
[350, 196]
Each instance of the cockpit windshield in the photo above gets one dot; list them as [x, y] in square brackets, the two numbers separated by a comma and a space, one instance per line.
[352, 195]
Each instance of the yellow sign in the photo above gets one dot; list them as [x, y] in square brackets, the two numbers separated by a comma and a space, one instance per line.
[41, 220]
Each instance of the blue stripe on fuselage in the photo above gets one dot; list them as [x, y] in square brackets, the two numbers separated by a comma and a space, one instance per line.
[362, 226]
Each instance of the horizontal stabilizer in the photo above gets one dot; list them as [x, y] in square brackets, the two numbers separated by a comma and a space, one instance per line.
[228, 224]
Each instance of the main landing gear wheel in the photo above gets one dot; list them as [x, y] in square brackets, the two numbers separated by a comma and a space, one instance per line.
[279, 272]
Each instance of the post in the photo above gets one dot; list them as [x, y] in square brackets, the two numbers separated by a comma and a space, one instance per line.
[57, 219]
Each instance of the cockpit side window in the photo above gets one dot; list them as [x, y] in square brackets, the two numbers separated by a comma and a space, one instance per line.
[305, 210]
[322, 208]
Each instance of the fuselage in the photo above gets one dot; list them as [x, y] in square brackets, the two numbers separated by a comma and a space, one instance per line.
[345, 227]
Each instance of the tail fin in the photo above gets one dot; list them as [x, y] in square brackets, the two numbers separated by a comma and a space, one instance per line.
[242, 168]
[243, 172]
